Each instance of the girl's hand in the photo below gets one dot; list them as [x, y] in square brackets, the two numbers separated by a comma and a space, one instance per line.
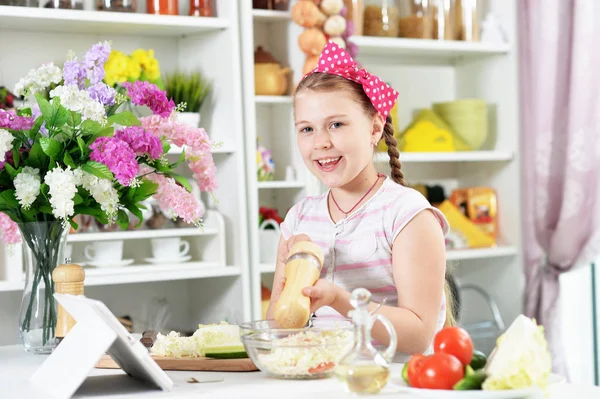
[323, 293]
[288, 245]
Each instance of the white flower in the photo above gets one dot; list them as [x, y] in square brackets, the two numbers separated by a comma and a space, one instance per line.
[27, 186]
[6, 139]
[62, 185]
[38, 80]
[101, 190]
[80, 101]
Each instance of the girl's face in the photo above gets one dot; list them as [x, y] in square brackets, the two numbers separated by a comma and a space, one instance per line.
[336, 137]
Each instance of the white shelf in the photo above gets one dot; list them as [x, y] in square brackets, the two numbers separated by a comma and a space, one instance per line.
[267, 267]
[480, 253]
[79, 21]
[280, 184]
[399, 48]
[459, 156]
[271, 15]
[144, 273]
[273, 99]
[141, 234]
[226, 148]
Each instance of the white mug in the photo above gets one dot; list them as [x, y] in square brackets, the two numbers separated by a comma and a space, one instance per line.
[169, 248]
[104, 251]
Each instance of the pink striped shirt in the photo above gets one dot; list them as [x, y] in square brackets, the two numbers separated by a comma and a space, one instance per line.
[358, 249]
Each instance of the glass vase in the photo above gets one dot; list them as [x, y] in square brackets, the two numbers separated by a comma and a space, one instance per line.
[44, 246]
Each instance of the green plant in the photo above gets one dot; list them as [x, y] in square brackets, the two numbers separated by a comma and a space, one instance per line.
[190, 88]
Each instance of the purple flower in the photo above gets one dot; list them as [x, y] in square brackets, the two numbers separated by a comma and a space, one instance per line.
[102, 93]
[74, 73]
[10, 120]
[94, 61]
[117, 156]
[141, 141]
[148, 94]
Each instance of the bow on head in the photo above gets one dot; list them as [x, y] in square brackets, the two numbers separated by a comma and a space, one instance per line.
[335, 60]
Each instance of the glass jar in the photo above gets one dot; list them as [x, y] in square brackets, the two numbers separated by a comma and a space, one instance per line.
[19, 3]
[354, 13]
[416, 19]
[201, 8]
[117, 5]
[282, 5]
[162, 7]
[467, 20]
[444, 14]
[381, 18]
[64, 4]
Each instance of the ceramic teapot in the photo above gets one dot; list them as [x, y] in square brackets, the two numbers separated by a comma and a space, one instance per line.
[270, 78]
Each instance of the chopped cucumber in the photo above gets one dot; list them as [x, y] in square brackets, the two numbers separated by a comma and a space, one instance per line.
[226, 352]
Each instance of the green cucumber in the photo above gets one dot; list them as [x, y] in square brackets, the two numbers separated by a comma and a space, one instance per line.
[405, 372]
[471, 382]
[226, 352]
[479, 360]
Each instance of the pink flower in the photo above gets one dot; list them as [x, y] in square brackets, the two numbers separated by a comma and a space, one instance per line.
[9, 230]
[117, 156]
[141, 141]
[148, 94]
[198, 151]
[174, 198]
[10, 120]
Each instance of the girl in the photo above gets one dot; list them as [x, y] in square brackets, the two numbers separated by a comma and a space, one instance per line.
[376, 232]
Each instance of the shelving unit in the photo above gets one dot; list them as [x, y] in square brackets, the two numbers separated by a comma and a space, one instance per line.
[214, 284]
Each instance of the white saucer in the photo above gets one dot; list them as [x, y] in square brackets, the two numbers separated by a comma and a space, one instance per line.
[180, 259]
[110, 263]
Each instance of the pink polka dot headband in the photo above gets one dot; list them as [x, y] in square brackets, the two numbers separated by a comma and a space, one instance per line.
[336, 61]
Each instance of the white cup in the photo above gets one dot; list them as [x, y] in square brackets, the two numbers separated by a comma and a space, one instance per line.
[104, 251]
[169, 248]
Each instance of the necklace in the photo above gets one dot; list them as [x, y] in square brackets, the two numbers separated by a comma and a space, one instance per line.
[359, 201]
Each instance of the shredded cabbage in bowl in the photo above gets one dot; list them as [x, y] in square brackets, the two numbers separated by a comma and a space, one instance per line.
[306, 354]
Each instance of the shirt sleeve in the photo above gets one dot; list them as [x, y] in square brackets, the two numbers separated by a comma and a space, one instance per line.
[407, 206]
[289, 225]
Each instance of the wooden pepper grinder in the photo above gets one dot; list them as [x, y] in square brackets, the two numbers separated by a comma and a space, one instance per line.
[68, 279]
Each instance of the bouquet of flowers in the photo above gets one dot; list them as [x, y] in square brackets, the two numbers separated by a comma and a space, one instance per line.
[71, 152]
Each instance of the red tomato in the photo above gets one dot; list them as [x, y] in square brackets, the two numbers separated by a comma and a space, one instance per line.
[440, 371]
[414, 370]
[454, 341]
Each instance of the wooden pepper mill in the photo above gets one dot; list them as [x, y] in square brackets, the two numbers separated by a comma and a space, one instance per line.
[68, 279]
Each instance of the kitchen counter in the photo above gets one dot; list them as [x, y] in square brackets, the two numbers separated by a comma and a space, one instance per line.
[16, 366]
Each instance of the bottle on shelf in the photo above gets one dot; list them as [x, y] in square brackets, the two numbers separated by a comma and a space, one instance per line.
[416, 19]
[64, 4]
[117, 5]
[201, 8]
[381, 18]
[162, 7]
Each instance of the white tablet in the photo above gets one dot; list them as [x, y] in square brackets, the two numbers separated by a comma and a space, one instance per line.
[97, 331]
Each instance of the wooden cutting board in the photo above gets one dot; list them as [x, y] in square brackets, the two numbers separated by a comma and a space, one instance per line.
[189, 364]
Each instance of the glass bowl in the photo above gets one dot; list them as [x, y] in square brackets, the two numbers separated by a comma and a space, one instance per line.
[311, 352]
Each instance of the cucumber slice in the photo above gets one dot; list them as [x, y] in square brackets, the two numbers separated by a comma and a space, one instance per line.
[226, 352]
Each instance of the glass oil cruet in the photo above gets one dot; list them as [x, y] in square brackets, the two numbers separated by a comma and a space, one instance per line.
[364, 369]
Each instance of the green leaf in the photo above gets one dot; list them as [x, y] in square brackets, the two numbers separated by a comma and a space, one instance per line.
[52, 164]
[166, 147]
[69, 161]
[122, 219]
[74, 119]
[92, 211]
[182, 180]
[44, 189]
[145, 190]
[29, 215]
[98, 169]
[74, 225]
[8, 198]
[136, 212]
[45, 107]
[89, 127]
[36, 127]
[50, 146]
[12, 172]
[82, 146]
[179, 161]
[77, 199]
[37, 158]
[125, 118]
[16, 152]
[107, 131]
[46, 209]
[60, 114]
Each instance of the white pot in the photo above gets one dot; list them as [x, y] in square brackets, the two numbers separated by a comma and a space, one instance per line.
[189, 118]
[268, 240]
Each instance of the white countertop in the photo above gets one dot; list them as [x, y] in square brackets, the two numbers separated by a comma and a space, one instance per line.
[16, 366]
